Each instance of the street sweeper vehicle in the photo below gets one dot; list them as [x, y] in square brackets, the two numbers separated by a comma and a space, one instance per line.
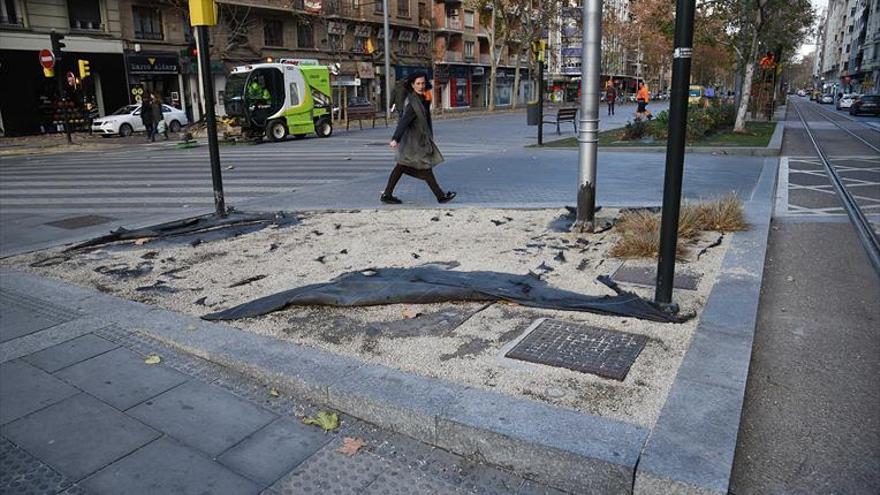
[277, 99]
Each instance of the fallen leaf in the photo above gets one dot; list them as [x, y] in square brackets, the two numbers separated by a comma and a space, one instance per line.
[327, 420]
[153, 359]
[351, 446]
[274, 392]
[141, 241]
[411, 313]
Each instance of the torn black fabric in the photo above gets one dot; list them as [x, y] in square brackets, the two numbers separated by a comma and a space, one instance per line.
[219, 227]
[436, 283]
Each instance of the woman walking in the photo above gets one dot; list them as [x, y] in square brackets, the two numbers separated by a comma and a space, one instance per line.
[158, 118]
[414, 141]
[147, 115]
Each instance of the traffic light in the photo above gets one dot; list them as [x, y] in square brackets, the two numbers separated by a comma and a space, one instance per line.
[84, 69]
[57, 44]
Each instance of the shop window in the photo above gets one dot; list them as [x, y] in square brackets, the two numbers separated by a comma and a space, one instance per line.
[337, 42]
[469, 49]
[147, 23]
[84, 14]
[11, 13]
[273, 32]
[305, 36]
[469, 18]
[403, 8]
[294, 95]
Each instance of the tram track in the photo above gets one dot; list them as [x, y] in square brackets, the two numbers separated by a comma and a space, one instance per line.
[864, 230]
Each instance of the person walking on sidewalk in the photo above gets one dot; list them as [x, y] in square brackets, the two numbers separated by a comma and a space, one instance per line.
[610, 96]
[642, 98]
[147, 115]
[413, 139]
[158, 119]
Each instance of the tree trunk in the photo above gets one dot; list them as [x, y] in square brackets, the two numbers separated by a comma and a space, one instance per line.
[516, 84]
[740, 125]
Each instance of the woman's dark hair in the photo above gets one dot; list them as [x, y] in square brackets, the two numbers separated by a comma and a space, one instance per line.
[415, 75]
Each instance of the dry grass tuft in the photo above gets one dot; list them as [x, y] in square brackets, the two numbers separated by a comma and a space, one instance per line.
[725, 214]
[639, 230]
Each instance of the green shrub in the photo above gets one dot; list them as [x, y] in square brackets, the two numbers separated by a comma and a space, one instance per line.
[634, 130]
[699, 123]
[658, 129]
[662, 117]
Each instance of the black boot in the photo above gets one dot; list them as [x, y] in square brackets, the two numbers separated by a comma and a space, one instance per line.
[389, 199]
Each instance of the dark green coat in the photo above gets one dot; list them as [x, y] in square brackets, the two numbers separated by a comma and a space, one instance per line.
[415, 136]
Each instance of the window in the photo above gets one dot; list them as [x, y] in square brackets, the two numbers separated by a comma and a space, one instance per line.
[377, 4]
[337, 42]
[403, 8]
[294, 95]
[273, 32]
[404, 47]
[147, 23]
[11, 13]
[360, 45]
[469, 49]
[84, 14]
[305, 36]
[469, 18]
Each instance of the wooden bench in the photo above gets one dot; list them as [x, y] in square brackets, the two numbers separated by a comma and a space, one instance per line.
[566, 114]
[361, 113]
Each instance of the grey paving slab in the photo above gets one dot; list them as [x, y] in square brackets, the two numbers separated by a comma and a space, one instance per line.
[401, 480]
[121, 378]
[274, 450]
[25, 389]
[329, 471]
[23, 314]
[24, 474]
[203, 416]
[79, 435]
[164, 467]
[48, 337]
[71, 352]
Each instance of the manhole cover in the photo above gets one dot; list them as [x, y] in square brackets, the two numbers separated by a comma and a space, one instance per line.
[606, 353]
[647, 276]
[80, 222]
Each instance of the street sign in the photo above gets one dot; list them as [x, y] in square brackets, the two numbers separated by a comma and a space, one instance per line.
[47, 59]
[71, 79]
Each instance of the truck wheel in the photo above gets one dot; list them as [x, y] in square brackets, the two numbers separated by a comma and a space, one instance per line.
[277, 130]
[323, 128]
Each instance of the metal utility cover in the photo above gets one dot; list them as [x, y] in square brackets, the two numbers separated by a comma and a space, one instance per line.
[647, 276]
[583, 348]
[74, 223]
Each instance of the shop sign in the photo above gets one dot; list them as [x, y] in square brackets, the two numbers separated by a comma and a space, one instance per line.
[362, 31]
[346, 81]
[152, 65]
[313, 6]
[336, 27]
[479, 71]
[137, 93]
[365, 70]
[572, 52]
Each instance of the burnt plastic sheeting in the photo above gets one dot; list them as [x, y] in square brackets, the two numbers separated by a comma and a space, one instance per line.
[210, 223]
[435, 283]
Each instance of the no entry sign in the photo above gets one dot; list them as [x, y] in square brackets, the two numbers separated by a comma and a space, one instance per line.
[47, 59]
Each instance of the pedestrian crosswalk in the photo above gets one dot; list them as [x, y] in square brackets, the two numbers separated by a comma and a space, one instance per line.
[159, 178]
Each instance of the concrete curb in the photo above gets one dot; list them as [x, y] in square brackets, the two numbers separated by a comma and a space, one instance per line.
[559, 447]
[707, 150]
[691, 448]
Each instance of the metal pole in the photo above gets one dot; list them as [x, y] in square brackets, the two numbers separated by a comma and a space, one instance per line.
[681, 74]
[387, 40]
[213, 149]
[62, 97]
[588, 131]
[541, 101]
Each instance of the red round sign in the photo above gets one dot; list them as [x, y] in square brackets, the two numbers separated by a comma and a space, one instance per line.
[47, 59]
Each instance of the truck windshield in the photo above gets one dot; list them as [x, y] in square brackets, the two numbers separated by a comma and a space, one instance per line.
[235, 86]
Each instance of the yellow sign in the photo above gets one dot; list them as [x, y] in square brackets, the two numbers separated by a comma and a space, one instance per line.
[84, 69]
[48, 72]
[202, 13]
[539, 48]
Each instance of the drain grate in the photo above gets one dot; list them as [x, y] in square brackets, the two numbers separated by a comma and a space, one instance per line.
[583, 348]
[74, 223]
[647, 276]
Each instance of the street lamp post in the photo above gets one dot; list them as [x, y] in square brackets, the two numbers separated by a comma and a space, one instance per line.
[588, 131]
[681, 74]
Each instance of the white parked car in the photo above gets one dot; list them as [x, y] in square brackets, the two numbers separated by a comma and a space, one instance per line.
[127, 120]
[826, 99]
[846, 100]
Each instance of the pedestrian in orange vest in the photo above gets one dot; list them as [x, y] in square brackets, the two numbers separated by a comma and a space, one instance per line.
[642, 99]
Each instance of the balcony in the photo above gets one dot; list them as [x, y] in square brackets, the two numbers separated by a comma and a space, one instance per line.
[453, 56]
[485, 58]
[451, 24]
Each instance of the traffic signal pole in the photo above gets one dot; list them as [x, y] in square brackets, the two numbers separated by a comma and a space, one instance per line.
[62, 96]
[681, 75]
[588, 130]
[211, 118]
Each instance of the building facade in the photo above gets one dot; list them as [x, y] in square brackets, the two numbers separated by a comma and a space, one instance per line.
[849, 48]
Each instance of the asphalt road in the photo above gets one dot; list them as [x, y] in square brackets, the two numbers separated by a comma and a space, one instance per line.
[811, 420]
